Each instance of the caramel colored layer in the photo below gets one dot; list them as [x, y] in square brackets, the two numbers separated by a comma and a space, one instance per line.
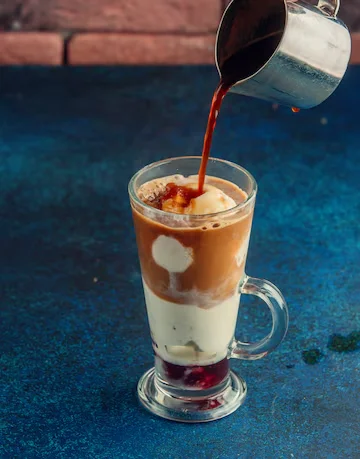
[218, 250]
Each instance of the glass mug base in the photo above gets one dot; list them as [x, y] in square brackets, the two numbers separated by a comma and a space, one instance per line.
[204, 407]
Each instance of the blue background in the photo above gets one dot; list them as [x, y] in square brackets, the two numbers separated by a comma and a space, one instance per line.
[74, 338]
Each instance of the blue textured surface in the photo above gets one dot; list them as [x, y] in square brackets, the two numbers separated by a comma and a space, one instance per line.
[74, 336]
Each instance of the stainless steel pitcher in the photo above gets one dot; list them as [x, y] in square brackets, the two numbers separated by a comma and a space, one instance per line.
[287, 52]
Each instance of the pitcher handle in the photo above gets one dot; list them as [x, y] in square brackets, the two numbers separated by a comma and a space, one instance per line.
[272, 296]
[329, 7]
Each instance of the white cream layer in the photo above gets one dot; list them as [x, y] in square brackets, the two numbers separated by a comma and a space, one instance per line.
[186, 334]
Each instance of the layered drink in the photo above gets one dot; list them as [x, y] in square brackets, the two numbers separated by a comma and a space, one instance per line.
[192, 247]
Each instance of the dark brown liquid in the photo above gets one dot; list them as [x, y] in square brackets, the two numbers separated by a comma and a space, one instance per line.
[218, 97]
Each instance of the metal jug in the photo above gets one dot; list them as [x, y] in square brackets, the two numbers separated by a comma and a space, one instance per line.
[287, 52]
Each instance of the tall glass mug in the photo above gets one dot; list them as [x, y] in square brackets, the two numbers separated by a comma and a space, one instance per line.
[193, 270]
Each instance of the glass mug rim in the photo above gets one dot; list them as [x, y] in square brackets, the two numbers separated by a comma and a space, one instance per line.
[194, 217]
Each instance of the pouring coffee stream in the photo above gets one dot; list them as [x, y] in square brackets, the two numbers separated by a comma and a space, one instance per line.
[285, 52]
[218, 97]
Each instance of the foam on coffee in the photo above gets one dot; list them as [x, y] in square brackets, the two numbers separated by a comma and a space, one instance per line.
[184, 198]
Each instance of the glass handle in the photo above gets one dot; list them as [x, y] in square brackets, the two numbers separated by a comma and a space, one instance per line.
[280, 316]
[330, 7]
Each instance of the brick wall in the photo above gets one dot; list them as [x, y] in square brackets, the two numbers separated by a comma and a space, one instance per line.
[84, 32]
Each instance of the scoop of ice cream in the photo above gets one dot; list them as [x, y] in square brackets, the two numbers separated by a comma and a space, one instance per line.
[213, 200]
[178, 194]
